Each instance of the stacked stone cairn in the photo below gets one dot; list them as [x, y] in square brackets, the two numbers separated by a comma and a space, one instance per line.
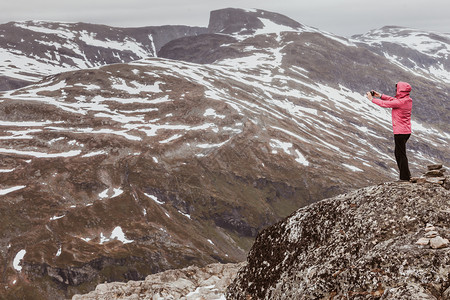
[434, 174]
[432, 238]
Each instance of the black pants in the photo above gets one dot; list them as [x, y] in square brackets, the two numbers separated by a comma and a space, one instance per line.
[400, 155]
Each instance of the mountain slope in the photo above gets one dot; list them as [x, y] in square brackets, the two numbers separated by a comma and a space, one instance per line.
[119, 171]
[425, 53]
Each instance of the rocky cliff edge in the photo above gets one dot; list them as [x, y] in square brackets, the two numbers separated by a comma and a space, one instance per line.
[373, 243]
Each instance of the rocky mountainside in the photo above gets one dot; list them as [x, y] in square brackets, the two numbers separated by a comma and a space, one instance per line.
[208, 283]
[361, 245]
[115, 172]
[32, 50]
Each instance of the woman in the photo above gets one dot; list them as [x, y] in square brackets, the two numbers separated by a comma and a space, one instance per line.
[401, 106]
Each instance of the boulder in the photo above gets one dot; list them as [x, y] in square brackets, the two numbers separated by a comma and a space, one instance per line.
[423, 241]
[434, 173]
[431, 234]
[438, 242]
[430, 227]
[434, 167]
[360, 245]
[438, 180]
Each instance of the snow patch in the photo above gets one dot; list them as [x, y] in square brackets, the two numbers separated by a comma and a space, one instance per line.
[353, 168]
[116, 234]
[206, 146]
[95, 153]
[56, 217]
[186, 215]
[18, 259]
[301, 159]
[40, 154]
[154, 198]
[172, 138]
[24, 124]
[212, 112]
[115, 192]
[11, 189]
[272, 27]
[285, 146]
[56, 140]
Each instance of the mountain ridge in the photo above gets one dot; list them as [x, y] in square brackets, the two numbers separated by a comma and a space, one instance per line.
[52, 48]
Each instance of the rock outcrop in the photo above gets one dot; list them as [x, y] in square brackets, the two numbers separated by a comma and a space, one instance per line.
[360, 245]
[234, 20]
[189, 283]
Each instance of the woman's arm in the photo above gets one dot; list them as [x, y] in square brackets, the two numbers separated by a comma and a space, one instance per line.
[385, 101]
[391, 103]
[387, 98]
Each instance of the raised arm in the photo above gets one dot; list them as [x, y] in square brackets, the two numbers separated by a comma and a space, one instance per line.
[386, 97]
[389, 103]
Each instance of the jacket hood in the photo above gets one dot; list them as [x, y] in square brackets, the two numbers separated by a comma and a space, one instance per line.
[403, 89]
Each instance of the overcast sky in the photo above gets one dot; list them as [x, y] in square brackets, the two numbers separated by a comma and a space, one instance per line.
[342, 17]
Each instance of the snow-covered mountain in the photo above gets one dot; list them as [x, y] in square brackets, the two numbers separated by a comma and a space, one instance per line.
[425, 53]
[118, 171]
[32, 50]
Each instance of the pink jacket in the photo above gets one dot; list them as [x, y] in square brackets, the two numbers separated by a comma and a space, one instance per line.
[401, 108]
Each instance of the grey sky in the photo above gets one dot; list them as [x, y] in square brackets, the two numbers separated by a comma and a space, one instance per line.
[343, 17]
